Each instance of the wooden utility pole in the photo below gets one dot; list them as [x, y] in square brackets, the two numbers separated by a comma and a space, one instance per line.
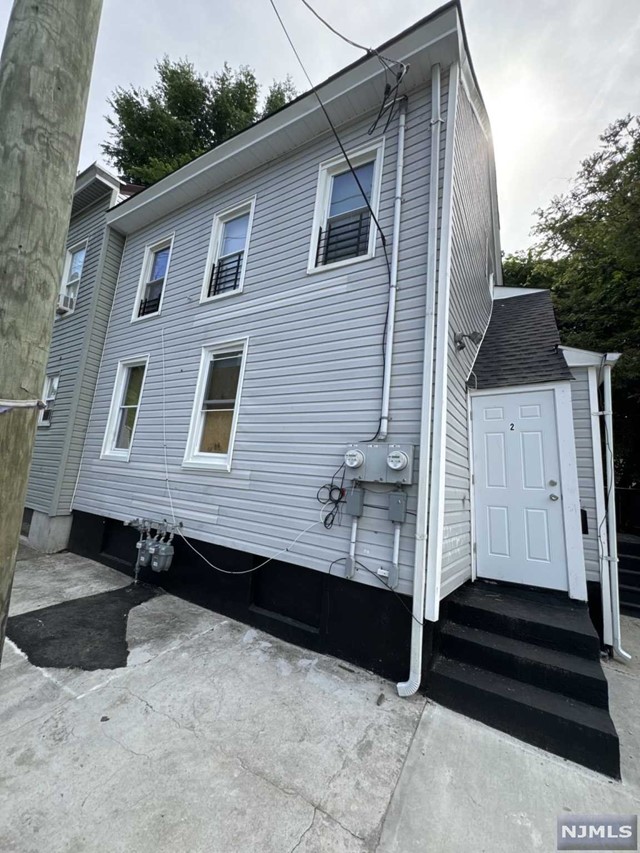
[45, 71]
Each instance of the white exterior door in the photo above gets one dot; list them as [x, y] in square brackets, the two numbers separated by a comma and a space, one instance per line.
[519, 523]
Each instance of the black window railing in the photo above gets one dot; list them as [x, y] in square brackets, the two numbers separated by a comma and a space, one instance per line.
[149, 306]
[346, 236]
[225, 275]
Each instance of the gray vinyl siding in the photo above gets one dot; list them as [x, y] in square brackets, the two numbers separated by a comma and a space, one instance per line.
[313, 373]
[469, 310]
[91, 357]
[74, 344]
[586, 473]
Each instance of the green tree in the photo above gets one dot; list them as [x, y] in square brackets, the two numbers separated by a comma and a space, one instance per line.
[153, 132]
[588, 254]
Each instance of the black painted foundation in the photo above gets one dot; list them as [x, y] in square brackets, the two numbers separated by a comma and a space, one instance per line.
[327, 614]
[594, 598]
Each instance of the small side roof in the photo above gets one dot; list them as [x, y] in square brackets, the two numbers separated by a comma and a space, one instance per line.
[521, 345]
[94, 183]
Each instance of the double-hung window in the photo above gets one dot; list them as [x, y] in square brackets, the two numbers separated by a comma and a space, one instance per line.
[125, 404]
[153, 279]
[215, 411]
[343, 228]
[228, 250]
[71, 276]
[48, 398]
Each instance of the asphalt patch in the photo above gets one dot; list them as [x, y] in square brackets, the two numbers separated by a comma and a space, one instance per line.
[85, 633]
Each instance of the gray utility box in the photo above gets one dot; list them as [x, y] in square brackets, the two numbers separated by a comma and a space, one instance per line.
[380, 463]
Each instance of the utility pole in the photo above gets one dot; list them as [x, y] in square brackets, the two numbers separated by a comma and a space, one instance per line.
[45, 71]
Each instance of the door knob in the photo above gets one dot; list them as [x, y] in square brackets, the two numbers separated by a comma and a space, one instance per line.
[554, 497]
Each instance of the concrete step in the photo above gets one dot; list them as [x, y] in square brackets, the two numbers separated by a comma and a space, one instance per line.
[531, 615]
[571, 675]
[577, 731]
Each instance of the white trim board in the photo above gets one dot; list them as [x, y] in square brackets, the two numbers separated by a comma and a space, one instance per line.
[601, 512]
[504, 292]
[585, 358]
[435, 533]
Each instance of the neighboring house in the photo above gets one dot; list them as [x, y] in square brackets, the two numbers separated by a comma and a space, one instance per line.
[272, 365]
[88, 281]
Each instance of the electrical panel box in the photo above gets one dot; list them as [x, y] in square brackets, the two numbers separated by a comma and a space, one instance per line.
[380, 463]
[354, 501]
[398, 506]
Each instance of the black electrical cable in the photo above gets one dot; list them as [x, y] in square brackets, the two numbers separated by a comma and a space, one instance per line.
[332, 493]
[390, 91]
[382, 581]
[384, 60]
[343, 151]
[335, 133]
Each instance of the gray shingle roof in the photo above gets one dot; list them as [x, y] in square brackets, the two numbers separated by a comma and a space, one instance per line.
[521, 344]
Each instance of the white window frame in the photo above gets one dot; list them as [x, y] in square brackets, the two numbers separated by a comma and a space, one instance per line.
[149, 251]
[47, 397]
[109, 450]
[326, 171]
[193, 458]
[215, 244]
[83, 244]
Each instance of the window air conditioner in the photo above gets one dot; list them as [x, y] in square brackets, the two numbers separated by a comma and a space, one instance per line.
[65, 304]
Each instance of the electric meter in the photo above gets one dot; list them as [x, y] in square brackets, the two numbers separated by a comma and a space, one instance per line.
[397, 460]
[354, 458]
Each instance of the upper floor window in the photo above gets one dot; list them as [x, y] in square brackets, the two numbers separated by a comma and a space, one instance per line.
[343, 230]
[48, 397]
[71, 276]
[226, 264]
[125, 403]
[152, 281]
[215, 412]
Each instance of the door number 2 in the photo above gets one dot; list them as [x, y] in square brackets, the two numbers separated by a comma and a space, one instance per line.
[512, 427]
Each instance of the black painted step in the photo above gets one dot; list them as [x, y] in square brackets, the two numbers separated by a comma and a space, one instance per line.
[629, 544]
[572, 729]
[627, 578]
[630, 609]
[536, 616]
[629, 563]
[629, 594]
[571, 675]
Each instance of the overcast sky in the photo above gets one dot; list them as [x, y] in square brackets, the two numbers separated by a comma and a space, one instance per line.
[553, 73]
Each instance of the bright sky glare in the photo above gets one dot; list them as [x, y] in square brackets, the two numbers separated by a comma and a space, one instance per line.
[553, 74]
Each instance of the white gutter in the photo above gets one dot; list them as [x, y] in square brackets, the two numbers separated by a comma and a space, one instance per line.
[441, 373]
[393, 277]
[611, 511]
[409, 687]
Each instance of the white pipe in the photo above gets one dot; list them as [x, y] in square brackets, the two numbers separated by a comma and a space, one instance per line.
[409, 687]
[611, 517]
[395, 558]
[393, 277]
[350, 568]
[601, 513]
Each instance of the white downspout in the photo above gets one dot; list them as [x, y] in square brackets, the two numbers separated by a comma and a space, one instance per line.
[409, 687]
[601, 512]
[393, 277]
[611, 516]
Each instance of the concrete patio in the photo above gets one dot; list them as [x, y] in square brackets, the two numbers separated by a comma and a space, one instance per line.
[217, 737]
